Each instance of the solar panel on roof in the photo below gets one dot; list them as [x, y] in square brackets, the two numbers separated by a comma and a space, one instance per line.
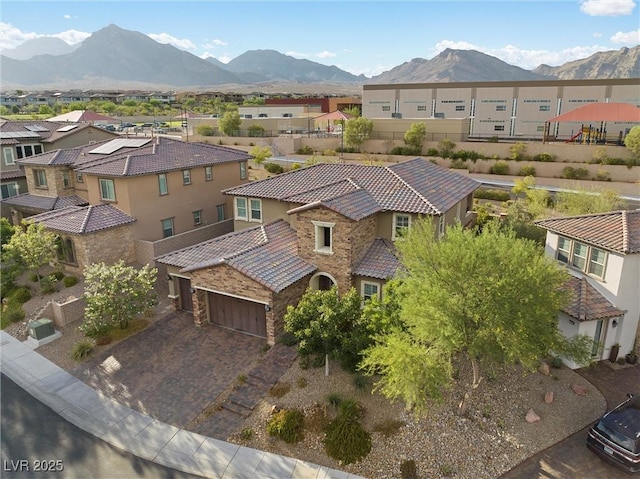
[115, 145]
[36, 128]
[18, 134]
[67, 128]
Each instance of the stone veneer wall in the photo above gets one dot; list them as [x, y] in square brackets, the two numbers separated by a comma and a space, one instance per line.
[55, 181]
[106, 246]
[68, 312]
[289, 296]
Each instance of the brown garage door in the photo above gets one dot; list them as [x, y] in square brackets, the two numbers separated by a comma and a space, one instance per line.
[238, 314]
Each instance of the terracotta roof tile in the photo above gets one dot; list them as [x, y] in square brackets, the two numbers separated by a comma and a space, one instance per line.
[12, 174]
[587, 304]
[415, 186]
[617, 231]
[83, 220]
[380, 261]
[44, 203]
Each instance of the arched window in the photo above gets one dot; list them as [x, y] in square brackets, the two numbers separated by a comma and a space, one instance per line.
[65, 250]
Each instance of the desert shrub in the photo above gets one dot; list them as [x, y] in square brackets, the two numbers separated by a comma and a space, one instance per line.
[527, 171]
[295, 166]
[544, 157]
[388, 427]
[288, 339]
[350, 408]
[103, 340]
[446, 147]
[571, 173]
[334, 399]
[47, 285]
[20, 295]
[518, 151]
[287, 425]
[602, 175]
[446, 470]
[301, 382]
[273, 168]
[279, 390]
[556, 362]
[328, 152]
[360, 382]
[205, 130]
[305, 150]
[346, 440]
[408, 469]
[256, 130]
[432, 152]
[495, 195]
[459, 164]
[493, 139]
[246, 434]
[58, 275]
[81, 350]
[12, 314]
[500, 168]
[34, 277]
[69, 281]
[403, 150]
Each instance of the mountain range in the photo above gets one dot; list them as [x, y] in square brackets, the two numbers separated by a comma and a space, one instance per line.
[114, 58]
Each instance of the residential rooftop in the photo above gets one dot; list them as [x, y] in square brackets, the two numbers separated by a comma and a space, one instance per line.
[83, 219]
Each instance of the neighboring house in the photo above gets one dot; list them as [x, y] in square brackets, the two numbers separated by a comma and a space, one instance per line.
[84, 116]
[22, 139]
[602, 253]
[167, 186]
[317, 227]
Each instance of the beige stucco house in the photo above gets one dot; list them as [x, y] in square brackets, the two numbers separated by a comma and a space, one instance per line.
[602, 254]
[316, 227]
[155, 188]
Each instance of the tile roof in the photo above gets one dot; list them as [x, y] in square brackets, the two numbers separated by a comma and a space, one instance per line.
[414, 186]
[83, 219]
[159, 155]
[12, 174]
[43, 131]
[587, 304]
[44, 203]
[266, 253]
[380, 261]
[617, 231]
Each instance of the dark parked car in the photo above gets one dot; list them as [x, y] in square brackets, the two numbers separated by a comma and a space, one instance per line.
[615, 437]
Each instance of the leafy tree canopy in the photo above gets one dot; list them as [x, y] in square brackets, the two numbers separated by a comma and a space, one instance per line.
[357, 131]
[230, 123]
[415, 135]
[33, 244]
[632, 141]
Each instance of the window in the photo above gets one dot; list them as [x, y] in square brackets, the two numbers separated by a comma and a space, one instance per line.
[441, 226]
[596, 262]
[107, 190]
[197, 218]
[256, 210]
[66, 179]
[422, 107]
[79, 178]
[545, 108]
[501, 107]
[8, 156]
[167, 227]
[241, 209]
[162, 184]
[220, 211]
[186, 177]
[579, 259]
[459, 107]
[40, 178]
[401, 224]
[243, 170]
[498, 128]
[370, 290]
[65, 250]
[9, 189]
[386, 108]
[24, 151]
[564, 250]
[208, 173]
[324, 240]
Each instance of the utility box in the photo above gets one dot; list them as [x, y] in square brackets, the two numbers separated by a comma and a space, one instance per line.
[40, 329]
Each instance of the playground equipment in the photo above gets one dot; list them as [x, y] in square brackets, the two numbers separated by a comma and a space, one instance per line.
[588, 135]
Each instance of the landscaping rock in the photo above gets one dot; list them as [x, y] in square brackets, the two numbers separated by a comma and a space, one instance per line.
[579, 390]
[531, 416]
[544, 369]
[548, 397]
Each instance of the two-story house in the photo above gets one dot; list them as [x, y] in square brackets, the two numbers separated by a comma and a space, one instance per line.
[154, 188]
[317, 227]
[22, 139]
[602, 254]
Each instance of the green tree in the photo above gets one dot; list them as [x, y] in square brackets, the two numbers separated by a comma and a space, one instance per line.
[260, 154]
[256, 130]
[230, 123]
[415, 135]
[353, 111]
[6, 231]
[518, 151]
[205, 130]
[357, 131]
[116, 294]
[632, 141]
[582, 201]
[325, 324]
[45, 110]
[485, 296]
[34, 245]
[446, 147]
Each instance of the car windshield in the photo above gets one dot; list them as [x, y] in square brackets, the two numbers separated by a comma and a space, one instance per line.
[622, 426]
[626, 442]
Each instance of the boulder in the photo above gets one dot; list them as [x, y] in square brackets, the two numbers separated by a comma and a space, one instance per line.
[531, 416]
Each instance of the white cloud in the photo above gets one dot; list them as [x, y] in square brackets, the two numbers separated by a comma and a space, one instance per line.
[297, 54]
[324, 54]
[225, 58]
[71, 36]
[11, 37]
[527, 59]
[626, 38]
[181, 43]
[213, 44]
[607, 8]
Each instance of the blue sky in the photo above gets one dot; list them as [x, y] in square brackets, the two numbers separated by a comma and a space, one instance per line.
[362, 37]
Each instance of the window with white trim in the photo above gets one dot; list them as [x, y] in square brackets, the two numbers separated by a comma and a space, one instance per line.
[66, 179]
[197, 218]
[107, 189]
[324, 237]
[167, 227]
[597, 261]
[564, 250]
[401, 225]
[23, 151]
[240, 208]
[208, 173]
[40, 178]
[163, 188]
[186, 177]
[256, 209]
[7, 153]
[243, 170]
[586, 258]
[220, 211]
[10, 189]
[370, 290]
[79, 178]
[579, 257]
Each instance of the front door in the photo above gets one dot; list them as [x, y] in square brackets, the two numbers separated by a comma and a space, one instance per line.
[186, 303]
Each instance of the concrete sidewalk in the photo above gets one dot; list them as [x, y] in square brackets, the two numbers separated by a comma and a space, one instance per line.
[141, 435]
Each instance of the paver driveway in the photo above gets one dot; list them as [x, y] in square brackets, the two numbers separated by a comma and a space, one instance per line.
[172, 370]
